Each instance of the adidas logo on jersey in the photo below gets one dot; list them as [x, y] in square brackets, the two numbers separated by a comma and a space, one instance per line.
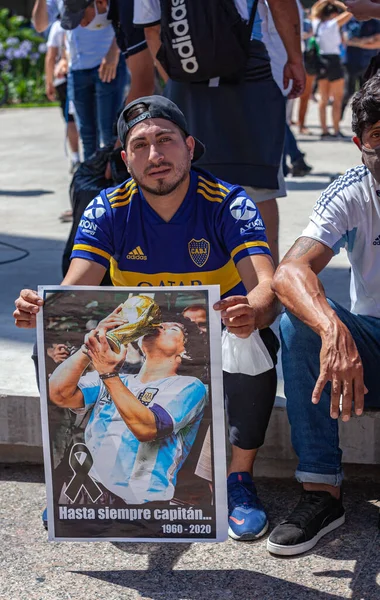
[137, 254]
[376, 242]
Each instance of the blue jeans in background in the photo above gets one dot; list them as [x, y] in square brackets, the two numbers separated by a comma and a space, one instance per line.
[290, 149]
[96, 105]
[315, 436]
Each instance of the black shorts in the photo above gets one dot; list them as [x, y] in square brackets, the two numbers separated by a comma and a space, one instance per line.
[241, 124]
[249, 400]
[130, 39]
[332, 67]
[64, 102]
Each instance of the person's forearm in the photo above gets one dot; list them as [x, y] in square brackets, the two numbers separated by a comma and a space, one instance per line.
[138, 418]
[113, 51]
[287, 21]
[49, 67]
[265, 303]
[340, 5]
[153, 39]
[364, 10]
[302, 293]
[63, 383]
[40, 16]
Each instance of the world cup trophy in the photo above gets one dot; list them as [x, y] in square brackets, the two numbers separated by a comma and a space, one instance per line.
[142, 314]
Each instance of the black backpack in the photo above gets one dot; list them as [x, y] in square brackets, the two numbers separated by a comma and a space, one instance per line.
[203, 39]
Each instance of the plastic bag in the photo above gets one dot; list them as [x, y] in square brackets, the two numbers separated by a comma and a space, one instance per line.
[245, 355]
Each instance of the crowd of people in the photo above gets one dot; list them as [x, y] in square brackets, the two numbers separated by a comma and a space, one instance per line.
[206, 161]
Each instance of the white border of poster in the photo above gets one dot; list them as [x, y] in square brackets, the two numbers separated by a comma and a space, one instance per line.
[216, 398]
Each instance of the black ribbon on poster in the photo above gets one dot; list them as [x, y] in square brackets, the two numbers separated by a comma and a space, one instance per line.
[81, 478]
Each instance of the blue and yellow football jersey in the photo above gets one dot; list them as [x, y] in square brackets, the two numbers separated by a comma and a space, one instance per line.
[215, 227]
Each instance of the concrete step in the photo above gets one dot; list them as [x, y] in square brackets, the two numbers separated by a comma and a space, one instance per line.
[21, 439]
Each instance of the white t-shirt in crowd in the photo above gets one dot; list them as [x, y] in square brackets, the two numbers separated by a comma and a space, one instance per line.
[148, 12]
[347, 215]
[57, 39]
[275, 47]
[328, 36]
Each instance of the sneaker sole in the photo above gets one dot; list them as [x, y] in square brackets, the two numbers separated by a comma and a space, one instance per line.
[246, 537]
[305, 546]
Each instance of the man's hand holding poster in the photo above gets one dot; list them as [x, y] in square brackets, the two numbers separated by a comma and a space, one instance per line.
[132, 411]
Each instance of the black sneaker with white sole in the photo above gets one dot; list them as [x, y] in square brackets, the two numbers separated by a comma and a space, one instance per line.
[316, 514]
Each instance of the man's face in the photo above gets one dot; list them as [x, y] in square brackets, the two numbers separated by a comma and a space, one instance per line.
[157, 156]
[198, 316]
[89, 13]
[371, 137]
[169, 338]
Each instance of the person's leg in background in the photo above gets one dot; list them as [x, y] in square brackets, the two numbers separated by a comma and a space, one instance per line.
[303, 103]
[73, 137]
[336, 92]
[350, 79]
[249, 403]
[324, 93]
[81, 91]
[299, 166]
[270, 215]
[71, 129]
[109, 100]
[315, 435]
[266, 201]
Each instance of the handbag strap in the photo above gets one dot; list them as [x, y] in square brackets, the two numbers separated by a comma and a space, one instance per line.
[252, 17]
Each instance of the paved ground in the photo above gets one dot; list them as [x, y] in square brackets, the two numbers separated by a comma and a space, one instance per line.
[347, 566]
[33, 192]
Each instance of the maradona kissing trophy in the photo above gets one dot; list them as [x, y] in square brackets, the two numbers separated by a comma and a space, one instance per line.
[142, 314]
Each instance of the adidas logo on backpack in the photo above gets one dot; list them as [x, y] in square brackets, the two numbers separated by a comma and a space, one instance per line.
[376, 242]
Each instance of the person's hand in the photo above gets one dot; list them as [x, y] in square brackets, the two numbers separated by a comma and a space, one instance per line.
[108, 66]
[99, 351]
[27, 306]
[50, 91]
[361, 9]
[237, 315]
[61, 68]
[58, 353]
[294, 71]
[340, 363]
[111, 321]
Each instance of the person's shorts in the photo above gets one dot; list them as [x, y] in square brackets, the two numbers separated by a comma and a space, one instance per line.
[66, 105]
[262, 194]
[333, 68]
[241, 124]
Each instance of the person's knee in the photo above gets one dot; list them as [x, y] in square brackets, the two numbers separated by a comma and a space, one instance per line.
[293, 329]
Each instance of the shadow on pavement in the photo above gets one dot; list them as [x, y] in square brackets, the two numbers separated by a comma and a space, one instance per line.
[25, 193]
[303, 184]
[22, 473]
[213, 584]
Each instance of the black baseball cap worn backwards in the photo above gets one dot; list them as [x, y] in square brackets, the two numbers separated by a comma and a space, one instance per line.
[73, 13]
[157, 107]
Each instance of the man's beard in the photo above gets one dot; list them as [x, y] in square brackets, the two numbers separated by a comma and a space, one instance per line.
[163, 187]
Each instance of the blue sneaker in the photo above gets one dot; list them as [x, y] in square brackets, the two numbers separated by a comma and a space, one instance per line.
[247, 519]
[44, 519]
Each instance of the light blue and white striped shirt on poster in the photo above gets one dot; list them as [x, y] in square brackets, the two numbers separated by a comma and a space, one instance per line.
[137, 471]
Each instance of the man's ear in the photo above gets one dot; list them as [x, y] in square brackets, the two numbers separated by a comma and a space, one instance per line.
[357, 142]
[190, 143]
[123, 155]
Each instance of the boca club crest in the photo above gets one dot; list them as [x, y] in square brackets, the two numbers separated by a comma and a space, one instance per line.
[199, 251]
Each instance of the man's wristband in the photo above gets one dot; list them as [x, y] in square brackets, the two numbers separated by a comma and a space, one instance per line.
[108, 375]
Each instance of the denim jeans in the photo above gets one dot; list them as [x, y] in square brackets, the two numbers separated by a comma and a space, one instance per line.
[96, 105]
[315, 435]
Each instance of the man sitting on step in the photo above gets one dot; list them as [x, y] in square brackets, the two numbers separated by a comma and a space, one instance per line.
[330, 355]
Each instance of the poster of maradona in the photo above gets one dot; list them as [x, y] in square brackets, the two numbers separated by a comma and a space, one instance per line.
[132, 413]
